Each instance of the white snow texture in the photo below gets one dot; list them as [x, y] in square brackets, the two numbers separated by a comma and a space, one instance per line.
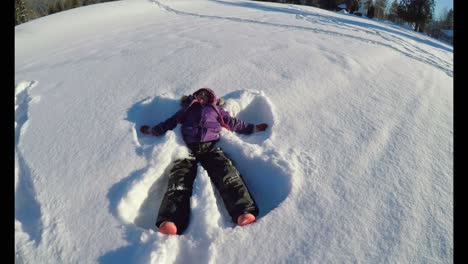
[356, 165]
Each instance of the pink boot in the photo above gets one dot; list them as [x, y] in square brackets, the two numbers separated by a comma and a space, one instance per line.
[168, 228]
[245, 219]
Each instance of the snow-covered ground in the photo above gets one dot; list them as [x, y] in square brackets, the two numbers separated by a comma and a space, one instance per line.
[356, 166]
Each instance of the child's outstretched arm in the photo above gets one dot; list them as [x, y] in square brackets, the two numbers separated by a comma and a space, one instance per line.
[162, 127]
[240, 126]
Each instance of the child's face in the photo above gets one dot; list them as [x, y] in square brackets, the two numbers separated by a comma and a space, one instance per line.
[203, 97]
[202, 101]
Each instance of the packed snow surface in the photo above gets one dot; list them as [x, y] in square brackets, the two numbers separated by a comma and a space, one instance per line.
[356, 165]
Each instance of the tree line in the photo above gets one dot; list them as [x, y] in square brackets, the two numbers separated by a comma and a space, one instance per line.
[417, 13]
[25, 11]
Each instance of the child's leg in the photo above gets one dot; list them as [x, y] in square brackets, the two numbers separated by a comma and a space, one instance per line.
[175, 206]
[229, 182]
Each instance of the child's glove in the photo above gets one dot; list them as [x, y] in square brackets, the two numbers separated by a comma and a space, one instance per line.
[149, 131]
[261, 127]
[145, 130]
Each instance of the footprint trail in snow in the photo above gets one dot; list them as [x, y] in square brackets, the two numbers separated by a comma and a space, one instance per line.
[361, 31]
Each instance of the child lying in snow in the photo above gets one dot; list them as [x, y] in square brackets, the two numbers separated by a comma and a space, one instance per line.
[202, 119]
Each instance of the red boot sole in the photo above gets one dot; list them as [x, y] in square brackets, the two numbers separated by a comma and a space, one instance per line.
[245, 219]
[168, 228]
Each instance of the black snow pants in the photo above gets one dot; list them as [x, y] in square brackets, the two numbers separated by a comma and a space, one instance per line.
[175, 206]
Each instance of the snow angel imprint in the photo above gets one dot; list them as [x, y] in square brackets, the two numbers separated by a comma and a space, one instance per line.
[202, 119]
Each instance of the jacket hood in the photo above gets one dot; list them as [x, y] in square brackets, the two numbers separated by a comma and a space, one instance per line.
[213, 100]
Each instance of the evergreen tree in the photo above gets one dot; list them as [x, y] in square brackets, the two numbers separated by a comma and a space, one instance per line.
[402, 10]
[75, 3]
[379, 8]
[314, 3]
[89, 2]
[328, 4]
[21, 12]
[51, 9]
[58, 7]
[40, 8]
[353, 6]
[67, 4]
[370, 11]
[424, 13]
[393, 13]
[447, 23]
[417, 12]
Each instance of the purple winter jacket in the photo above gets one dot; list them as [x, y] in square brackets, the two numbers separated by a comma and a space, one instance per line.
[201, 123]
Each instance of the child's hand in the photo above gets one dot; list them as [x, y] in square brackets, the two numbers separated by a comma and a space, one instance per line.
[145, 130]
[148, 131]
[261, 127]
